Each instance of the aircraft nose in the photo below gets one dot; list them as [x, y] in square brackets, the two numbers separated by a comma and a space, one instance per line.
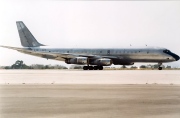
[176, 57]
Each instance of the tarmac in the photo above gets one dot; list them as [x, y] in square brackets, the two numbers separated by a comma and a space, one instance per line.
[89, 77]
[77, 94]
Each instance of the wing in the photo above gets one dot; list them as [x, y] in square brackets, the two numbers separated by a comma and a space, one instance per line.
[56, 56]
[34, 53]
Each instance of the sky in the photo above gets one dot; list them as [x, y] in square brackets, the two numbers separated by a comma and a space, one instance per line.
[89, 24]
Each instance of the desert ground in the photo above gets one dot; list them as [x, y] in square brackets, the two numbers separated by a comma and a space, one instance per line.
[87, 94]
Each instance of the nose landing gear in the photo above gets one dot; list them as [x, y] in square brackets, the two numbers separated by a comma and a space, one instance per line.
[160, 66]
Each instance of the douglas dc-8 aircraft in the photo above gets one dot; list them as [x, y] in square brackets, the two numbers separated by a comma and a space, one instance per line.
[93, 59]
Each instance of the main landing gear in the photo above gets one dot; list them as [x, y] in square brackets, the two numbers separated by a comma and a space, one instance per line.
[93, 68]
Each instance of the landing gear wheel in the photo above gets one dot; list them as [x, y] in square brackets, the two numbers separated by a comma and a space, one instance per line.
[160, 65]
[160, 68]
[91, 68]
[85, 67]
[100, 67]
[95, 67]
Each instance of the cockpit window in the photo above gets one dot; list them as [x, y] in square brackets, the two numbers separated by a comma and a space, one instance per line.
[176, 57]
[166, 51]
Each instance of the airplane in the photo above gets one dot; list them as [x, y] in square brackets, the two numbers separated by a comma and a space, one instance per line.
[92, 59]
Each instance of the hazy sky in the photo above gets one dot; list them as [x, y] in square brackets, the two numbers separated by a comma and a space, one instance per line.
[99, 24]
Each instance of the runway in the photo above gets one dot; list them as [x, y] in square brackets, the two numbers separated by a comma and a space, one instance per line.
[89, 77]
[90, 101]
[87, 94]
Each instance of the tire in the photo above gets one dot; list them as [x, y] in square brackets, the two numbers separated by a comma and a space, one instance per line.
[91, 68]
[100, 67]
[160, 68]
[85, 68]
[95, 67]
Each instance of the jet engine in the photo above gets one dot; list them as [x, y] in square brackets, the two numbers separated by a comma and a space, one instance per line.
[101, 62]
[77, 60]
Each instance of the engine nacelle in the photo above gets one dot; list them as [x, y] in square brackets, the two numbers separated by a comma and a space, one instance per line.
[77, 60]
[102, 62]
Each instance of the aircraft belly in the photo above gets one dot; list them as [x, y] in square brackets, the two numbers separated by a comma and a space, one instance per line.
[149, 58]
[128, 59]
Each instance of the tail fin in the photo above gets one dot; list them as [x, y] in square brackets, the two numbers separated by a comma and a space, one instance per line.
[27, 39]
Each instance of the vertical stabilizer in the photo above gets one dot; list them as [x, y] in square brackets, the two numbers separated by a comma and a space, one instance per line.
[27, 39]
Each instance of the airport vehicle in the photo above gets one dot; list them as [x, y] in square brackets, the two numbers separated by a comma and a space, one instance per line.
[92, 59]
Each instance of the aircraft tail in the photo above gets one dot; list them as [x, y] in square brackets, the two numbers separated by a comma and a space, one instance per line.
[27, 39]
